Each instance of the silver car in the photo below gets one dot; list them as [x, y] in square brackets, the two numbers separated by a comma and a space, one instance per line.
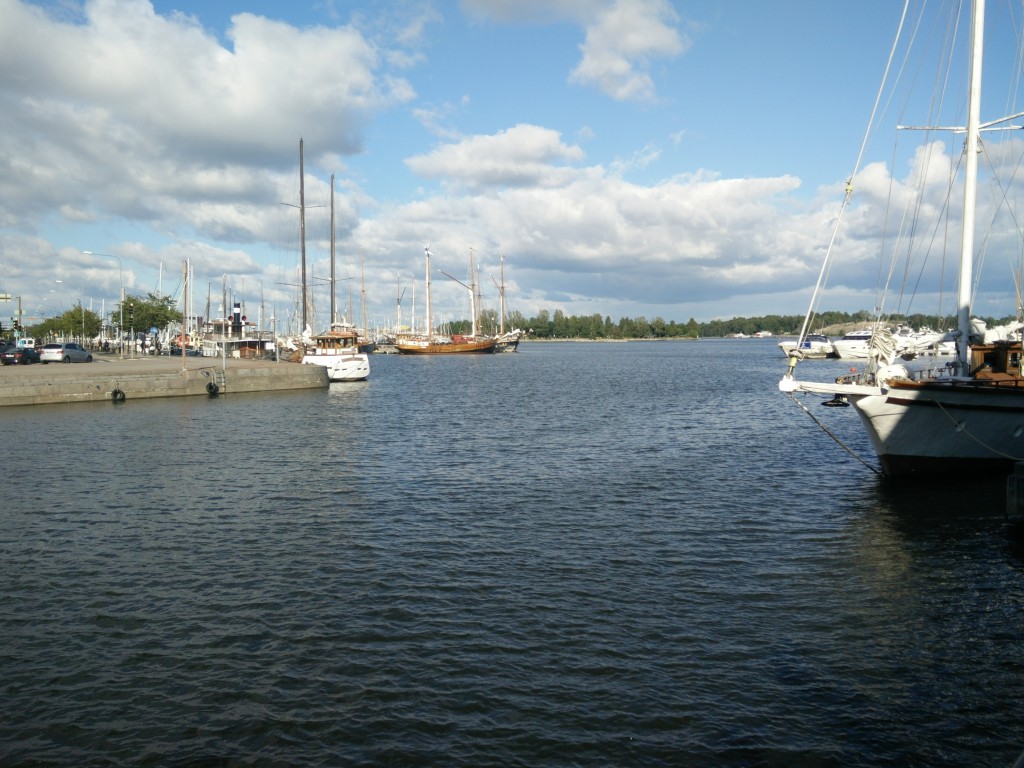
[64, 353]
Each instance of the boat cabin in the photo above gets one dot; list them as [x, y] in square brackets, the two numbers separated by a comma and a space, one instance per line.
[333, 342]
[998, 362]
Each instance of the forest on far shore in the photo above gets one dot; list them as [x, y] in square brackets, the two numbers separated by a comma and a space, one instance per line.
[557, 325]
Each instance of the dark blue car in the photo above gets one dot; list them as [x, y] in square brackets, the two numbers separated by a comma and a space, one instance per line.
[12, 355]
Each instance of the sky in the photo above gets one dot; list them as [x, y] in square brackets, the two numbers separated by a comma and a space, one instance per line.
[628, 158]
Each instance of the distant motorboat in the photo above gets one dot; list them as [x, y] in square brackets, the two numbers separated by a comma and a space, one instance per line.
[904, 342]
[855, 345]
[815, 346]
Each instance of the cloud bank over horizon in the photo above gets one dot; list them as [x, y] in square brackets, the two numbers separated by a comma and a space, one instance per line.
[580, 139]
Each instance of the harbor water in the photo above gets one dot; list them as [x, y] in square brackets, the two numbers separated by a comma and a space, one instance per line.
[636, 554]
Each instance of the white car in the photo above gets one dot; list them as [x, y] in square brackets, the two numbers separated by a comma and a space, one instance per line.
[64, 353]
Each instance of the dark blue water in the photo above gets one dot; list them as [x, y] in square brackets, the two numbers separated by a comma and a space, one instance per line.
[575, 555]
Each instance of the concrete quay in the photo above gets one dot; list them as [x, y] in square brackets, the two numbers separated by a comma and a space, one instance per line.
[109, 378]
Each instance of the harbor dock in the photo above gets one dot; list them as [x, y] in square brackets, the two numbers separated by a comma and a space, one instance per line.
[113, 379]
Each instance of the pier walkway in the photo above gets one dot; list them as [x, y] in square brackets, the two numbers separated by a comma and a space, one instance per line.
[114, 379]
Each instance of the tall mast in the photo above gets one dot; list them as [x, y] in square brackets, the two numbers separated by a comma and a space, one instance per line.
[502, 331]
[971, 146]
[472, 290]
[362, 290]
[398, 307]
[186, 282]
[429, 332]
[334, 313]
[302, 236]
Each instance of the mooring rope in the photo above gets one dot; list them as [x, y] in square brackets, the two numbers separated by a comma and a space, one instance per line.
[833, 435]
[963, 428]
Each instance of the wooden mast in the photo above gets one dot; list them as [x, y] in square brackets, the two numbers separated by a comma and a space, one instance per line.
[302, 238]
[502, 331]
[334, 313]
[429, 327]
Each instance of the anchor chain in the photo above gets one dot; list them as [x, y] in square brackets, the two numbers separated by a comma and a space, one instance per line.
[833, 435]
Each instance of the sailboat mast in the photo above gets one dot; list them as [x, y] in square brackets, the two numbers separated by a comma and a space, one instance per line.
[472, 290]
[334, 313]
[502, 331]
[429, 332]
[362, 290]
[398, 307]
[971, 147]
[186, 283]
[302, 235]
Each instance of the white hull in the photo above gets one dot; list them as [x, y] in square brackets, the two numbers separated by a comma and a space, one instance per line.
[857, 350]
[948, 427]
[345, 366]
[936, 428]
[809, 350]
[965, 419]
[353, 368]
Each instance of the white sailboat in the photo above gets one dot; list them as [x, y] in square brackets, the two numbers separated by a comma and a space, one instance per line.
[337, 349]
[964, 418]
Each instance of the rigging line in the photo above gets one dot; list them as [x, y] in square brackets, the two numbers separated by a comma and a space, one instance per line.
[907, 232]
[942, 218]
[963, 428]
[832, 434]
[849, 184]
[1003, 188]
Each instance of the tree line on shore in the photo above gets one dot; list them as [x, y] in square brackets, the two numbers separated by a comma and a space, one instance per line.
[139, 313]
[558, 325]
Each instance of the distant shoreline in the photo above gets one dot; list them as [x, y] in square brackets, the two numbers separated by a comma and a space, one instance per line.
[530, 340]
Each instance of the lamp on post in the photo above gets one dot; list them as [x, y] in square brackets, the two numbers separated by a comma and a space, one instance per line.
[131, 322]
[120, 278]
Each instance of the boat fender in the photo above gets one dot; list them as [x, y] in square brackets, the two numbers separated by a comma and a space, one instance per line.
[212, 389]
[117, 395]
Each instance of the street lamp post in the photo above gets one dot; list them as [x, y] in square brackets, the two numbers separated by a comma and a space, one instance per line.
[120, 278]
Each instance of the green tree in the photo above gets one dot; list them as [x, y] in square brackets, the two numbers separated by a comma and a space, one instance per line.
[515, 319]
[560, 326]
[541, 325]
[153, 311]
[489, 321]
[76, 323]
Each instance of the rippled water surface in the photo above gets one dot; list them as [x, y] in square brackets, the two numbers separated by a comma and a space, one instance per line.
[575, 555]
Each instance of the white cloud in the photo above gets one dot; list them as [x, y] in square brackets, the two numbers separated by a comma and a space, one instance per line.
[148, 136]
[621, 43]
[168, 79]
[622, 37]
[525, 155]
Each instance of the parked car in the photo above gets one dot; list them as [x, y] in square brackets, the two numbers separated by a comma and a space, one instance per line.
[175, 351]
[65, 353]
[13, 354]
